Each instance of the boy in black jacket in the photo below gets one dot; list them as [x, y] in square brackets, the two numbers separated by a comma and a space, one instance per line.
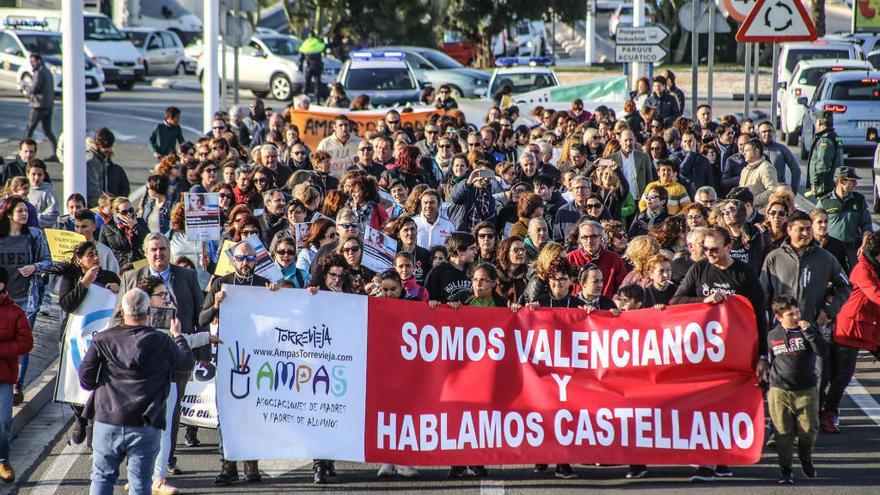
[793, 398]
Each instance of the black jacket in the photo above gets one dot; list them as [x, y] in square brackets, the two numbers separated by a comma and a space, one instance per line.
[128, 369]
[793, 357]
[127, 250]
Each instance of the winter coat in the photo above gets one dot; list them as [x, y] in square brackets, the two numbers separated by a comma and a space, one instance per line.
[16, 338]
[858, 323]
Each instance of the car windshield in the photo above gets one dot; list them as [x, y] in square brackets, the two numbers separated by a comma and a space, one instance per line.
[42, 44]
[282, 46]
[867, 89]
[441, 60]
[137, 38]
[810, 77]
[524, 82]
[101, 29]
[798, 54]
[378, 79]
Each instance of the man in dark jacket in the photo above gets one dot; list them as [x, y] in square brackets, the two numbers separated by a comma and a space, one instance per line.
[102, 175]
[826, 155]
[664, 102]
[41, 98]
[16, 340]
[167, 134]
[127, 368]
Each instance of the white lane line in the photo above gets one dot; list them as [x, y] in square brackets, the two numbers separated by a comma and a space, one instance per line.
[864, 400]
[57, 472]
[489, 487]
[145, 119]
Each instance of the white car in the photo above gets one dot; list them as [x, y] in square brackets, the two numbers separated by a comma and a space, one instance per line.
[16, 73]
[269, 65]
[161, 50]
[522, 75]
[792, 53]
[805, 77]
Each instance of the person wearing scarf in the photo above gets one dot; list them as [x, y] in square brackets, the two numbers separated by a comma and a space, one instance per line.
[656, 198]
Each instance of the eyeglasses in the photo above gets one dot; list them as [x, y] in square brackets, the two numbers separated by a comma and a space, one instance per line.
[335, 275]
[350, 225]
[444, 146]
[226, 196]
[652, 197]
[711, 250]
[248, 232]
[486, 235]
[432, 131]
[211, 170]
[299, 153]
[261, 180]
[594, 206]
[366, 148]
[777, 213]
[518, 250]
[473, 144]
[694, 217]
[129, 211]
[163, 294]
[245, 257]
[351, 250]
[392, 122]
[285, 252]
[591, 237]
[728, 211]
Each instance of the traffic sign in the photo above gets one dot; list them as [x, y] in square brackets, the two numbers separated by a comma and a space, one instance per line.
[738, 9]
[238, 31]
[773, 21]
[652, 34]
[639, 53]
[685, 18]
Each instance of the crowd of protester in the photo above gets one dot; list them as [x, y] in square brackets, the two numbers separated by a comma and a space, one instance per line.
[564, 208]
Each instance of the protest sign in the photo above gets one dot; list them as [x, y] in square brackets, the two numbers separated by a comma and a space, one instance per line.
[198, 406]
[379, 250]
[202, 216]
[92, 316]
[486, 385]
[61, 243]
[301, 229]
[265, 267]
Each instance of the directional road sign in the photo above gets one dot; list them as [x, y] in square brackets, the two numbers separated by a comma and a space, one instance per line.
[639, 53]
[645, 35]
[773, 21]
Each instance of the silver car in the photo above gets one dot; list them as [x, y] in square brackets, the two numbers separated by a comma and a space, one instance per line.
[161, 50]
[439, 68]
[853, 96]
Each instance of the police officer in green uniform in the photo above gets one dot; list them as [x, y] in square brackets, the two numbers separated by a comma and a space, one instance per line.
[311, 64]
[848, 215]
[826, 156]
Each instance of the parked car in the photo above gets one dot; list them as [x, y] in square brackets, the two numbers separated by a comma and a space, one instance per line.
[874, 59]
[438, 68]
[522, 75]
[16, 73]
[872, 136]
[792, 53]
[868, 42]
[805, 77]
[854, 98]
[161, 50]
[456, 46]
[385, 77]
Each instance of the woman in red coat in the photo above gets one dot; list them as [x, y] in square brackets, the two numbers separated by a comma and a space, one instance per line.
[15, 340]
[857, 327]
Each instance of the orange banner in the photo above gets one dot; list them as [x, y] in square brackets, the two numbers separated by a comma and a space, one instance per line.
[317, 123]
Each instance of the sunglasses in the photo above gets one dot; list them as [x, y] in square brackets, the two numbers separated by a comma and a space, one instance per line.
[247, 232]
[261, 180]
[285, 252]
[351, 250]
[712, 250]
[473, 144]
[489, 235]
[335, 275]
[129, 211]
[392, 122]
[225, 196]
[245, 257]
[444, 146]
[594, 206]
[652, 197]
[777, 213]
[211, 170]
[366, 148]
[350, 225]
[431, 131]
[300, 153]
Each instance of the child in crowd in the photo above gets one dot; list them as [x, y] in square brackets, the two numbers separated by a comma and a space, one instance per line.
[41, 194]
[667, 171]
[661, 289]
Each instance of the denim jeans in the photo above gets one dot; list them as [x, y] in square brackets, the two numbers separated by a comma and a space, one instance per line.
[24, 359]
[111, 444]
[160, 470]
[5, 419]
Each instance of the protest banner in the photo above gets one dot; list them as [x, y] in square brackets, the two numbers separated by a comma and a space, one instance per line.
[265, 267]
[486, 385]
[379, 250]
[198, 406]
[92, 316]
[301, 230]
[61, 243]
[202, 216]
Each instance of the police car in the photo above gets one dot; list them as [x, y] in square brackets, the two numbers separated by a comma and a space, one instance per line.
[522, 74]
[384, 76]
[16, 46]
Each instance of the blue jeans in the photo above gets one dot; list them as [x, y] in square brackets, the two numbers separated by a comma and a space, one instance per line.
[111, 444]
[24, 359]
[5, 419]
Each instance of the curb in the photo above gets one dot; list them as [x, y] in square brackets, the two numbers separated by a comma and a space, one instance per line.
[167, 83]
[36, 396]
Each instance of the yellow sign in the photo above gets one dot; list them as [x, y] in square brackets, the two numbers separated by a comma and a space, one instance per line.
[61, 243]
[224, 264]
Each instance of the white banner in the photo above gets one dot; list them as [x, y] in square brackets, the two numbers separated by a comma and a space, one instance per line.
[294, 359]
[199, 404]
[92, 316]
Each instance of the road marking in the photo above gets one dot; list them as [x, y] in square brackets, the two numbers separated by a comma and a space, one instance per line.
[145, 119]
[489, 487]
[57, 472]
[864, 400]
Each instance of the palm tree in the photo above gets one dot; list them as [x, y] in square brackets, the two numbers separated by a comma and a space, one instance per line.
[818, 15]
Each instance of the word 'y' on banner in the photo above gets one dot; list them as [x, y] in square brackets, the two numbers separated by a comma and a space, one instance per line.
[394, 381]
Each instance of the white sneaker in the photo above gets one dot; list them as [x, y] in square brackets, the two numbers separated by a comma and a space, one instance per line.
[161, 487]
[407, 471]
[387, 470]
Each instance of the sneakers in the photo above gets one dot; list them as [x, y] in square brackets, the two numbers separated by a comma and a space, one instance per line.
[703, 474]
[540, 468]
[191, 438]
[457, 472]
[173, 469]
[723, 471]
[407, 471]
[320, 472]
[161, 487]
[808, 468]
[786, 478]
[565, 472]
[7, 474]
[827, 422]
[636, 471]
[479, 471]
[386, 470]
[78, 430]
[17, 394]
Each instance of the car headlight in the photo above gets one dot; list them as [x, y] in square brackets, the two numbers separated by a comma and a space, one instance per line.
[103, 61]
[55, 69]
[529, 43]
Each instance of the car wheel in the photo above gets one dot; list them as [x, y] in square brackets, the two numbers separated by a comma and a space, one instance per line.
[791, 138]
[260, 94]
[93, 96]
[280, 87]
[180, 70]
[127, 85]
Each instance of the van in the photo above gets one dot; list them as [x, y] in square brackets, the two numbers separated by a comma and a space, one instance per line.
[105, 45]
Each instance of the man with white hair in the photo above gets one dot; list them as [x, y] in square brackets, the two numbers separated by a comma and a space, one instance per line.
[237, 125]
[127, 369]
[547, 168]
[634, 163]
[269, 156]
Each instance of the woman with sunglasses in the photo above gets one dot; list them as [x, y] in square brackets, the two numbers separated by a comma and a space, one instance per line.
[284, 253]
[612, 191]
[247, 226]
[513, 269]
[76, 277]
[406, 232]
[776, 222]
[363, 192]
[656, 198]
[748, 244]
[351, 248]
[321, 233]
[263, 180]
[209, 174]
[125, 234]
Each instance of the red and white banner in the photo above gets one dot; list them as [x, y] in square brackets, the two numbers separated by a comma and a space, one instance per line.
[406, 384]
